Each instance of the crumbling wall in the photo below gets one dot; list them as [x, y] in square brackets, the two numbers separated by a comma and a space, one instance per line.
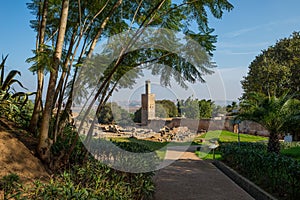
[209, 124]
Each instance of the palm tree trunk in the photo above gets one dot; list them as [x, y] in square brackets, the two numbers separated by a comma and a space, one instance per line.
[45, 142]
[274, 144]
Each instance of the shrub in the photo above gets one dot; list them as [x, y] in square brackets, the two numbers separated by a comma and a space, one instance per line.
[277, 174]
[13, 105]
[90, 181]
[8, 184]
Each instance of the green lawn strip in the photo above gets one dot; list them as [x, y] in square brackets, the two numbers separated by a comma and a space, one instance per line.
[158, 147]
[150, 144]
[223, 136]
[227, 136]
[208, 156]
[293, 152]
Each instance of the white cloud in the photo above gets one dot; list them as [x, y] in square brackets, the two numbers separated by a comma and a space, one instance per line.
[239, 32]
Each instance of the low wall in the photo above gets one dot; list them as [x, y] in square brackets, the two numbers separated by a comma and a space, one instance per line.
[192, 124]
[253, 128]
[208, 124]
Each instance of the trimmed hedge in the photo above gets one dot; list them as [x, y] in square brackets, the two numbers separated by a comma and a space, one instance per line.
[277, 174]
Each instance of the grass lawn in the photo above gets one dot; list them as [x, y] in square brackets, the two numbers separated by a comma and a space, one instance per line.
[227, 136]
[223, 136]
[152, 145]
[293, 152]
[158, 147]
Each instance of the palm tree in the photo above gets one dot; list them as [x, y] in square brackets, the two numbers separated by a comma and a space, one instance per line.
[276, 114]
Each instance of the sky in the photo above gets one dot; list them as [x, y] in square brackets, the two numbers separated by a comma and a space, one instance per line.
[253, 25]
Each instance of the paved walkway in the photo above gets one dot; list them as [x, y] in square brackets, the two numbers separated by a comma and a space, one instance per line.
[191, 178]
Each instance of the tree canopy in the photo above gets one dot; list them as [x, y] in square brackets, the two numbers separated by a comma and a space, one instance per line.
[276, 70]
[68, 32]
[195, 109]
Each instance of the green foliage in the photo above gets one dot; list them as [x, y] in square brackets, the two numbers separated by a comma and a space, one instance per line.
[8, 185]
[278, 115]
[217, 109]
[90, 179]
[93, 180]
[195, 109]
[232, 109]
[280, 175]
[118, 154]
[210, 155]
[41, 59]
[165, 108]
[189, 108]
[205, 108]
[223, 137]
[150, 145]
[227, 136]
[276, 70]
[293, 152]
[112, 113]
[138, 116]
[13, 105]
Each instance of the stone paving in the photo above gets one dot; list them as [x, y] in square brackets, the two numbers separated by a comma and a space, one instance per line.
[190, 178]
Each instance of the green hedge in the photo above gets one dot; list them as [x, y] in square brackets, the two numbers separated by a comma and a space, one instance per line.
[278, 174]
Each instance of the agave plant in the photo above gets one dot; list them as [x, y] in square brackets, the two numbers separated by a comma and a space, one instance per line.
[11, 103]
[6, 82]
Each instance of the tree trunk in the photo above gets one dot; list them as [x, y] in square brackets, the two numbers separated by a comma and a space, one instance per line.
[45, 142]
[103, 25]
[38, 106]
[273, 144]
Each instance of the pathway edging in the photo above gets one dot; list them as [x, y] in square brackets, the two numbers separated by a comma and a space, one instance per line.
[244, 183]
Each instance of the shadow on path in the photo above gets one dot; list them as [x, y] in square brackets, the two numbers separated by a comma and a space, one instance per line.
[191, 178]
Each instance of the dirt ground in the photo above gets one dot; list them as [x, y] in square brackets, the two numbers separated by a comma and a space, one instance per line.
[190, 178]
[15, 157]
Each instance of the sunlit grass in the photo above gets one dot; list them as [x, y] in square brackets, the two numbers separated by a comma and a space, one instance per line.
[158, 147]
[208, 156]
[223, 136]
[227, 136]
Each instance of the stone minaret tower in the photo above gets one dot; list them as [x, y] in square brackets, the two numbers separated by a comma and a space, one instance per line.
[148, 104]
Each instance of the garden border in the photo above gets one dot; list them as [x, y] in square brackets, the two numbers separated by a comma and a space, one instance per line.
[255, 191]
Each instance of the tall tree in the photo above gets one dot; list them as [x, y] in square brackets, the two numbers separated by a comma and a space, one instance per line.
[276, 70]
[167, 108]
[205, 108]
[44, 140]
[40, 48]
[74, 34]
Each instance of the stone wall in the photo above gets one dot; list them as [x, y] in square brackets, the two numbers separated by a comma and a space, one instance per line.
[209, 124]
[254, 128]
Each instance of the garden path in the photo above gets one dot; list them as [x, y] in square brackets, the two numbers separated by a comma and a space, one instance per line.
[190, 178]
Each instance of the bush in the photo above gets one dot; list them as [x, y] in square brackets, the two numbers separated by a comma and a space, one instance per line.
[277, 174]
[8, 184]
[125, 156]
[91, 181]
